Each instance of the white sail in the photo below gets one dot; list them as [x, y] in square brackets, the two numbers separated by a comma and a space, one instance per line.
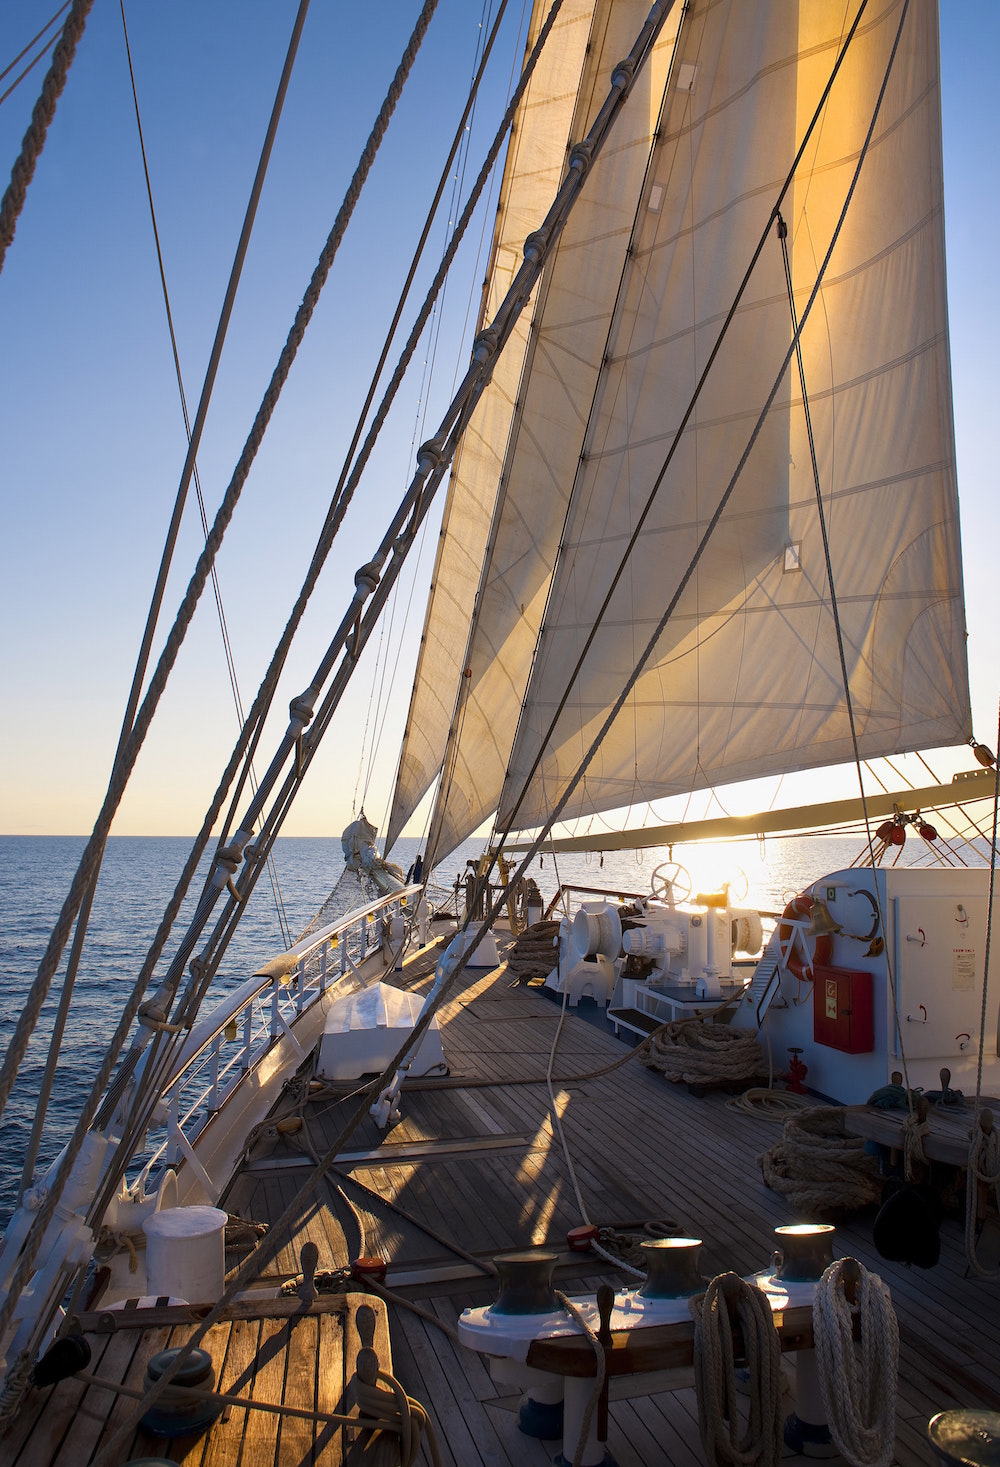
[745, 679]
[518, 459]
[536, 159]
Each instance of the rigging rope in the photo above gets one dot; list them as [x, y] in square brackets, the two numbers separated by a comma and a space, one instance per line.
[156, 600]
[227, 648]
[984, 1145]
[845, 678]
[728, 1301]
[94, 853]
[457, 416]
[44, 111]
[123, 767]
[859, 1395]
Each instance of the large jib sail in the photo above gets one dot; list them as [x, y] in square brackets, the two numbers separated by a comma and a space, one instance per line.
[745, 678]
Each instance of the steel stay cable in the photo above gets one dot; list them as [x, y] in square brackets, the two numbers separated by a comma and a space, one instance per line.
[217, 589]
[834, 607]
[41, 116]
[86, 903]
[33, 62]
[433, 463]
[129, 753]
[983, 1169]
[34, 40]
[417, 254]
[765, 234]
[159, 1058]
[336, 513]
[123, 766]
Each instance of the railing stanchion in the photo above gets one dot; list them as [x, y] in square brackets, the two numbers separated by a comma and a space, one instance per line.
[214, 1071]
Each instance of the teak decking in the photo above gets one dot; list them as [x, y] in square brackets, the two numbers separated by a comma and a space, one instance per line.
[474, 1157]
[474, 1160]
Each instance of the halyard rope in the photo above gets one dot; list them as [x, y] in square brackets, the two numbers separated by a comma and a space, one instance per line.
[859, 1396]
[759, 1445]
[984, 1169]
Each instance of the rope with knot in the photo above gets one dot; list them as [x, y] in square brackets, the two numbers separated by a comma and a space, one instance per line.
[859, 1396]
[914, 1156]
[42, 115]
[983, 1170]
[624, 1249]
[729, 1301]
[403, 1423]
[695, 1052]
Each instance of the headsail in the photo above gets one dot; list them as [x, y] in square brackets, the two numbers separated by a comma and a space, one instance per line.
[745, 680]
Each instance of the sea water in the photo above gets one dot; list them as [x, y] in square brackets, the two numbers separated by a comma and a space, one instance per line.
[139, 875]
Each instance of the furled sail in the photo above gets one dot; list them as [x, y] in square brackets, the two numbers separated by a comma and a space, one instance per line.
[745, 678]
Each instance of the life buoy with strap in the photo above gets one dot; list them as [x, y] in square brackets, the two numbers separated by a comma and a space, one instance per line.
[791, 923]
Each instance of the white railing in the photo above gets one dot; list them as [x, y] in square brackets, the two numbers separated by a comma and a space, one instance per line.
[230, 1042]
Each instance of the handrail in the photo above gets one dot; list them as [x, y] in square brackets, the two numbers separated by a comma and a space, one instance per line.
[259, 1013]
[214, 1023]
[605, 891]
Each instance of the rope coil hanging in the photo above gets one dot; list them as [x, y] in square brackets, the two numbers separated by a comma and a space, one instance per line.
[729, 1301]
[983, 1171]
[859, 1395]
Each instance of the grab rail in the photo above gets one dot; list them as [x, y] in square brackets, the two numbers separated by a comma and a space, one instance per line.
[262, 1010]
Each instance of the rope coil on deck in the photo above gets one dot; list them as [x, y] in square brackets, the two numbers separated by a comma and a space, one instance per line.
[728, 1301]
[859, 1395]
[535, 953]
[818, 1167]
[694, 1052]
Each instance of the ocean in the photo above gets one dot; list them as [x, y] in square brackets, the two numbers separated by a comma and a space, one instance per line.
[139, 874]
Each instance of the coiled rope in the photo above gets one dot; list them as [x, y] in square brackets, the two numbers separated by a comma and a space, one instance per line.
[405, 1422]
[728, 1301]
[697, 1053]
[818, 1167]
[983, 1170]
[43, 113]
[859, 1396]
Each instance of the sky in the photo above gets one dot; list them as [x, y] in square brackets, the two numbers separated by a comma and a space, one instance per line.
[91, 433]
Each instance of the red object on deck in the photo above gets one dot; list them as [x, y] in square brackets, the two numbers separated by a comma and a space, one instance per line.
[369, 1268]
[578, 1240]
[843, 1012]
[796, 1074]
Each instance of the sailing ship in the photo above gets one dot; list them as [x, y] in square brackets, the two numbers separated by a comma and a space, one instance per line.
[701, 526]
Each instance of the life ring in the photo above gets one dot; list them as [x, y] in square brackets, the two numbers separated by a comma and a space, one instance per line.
[790, 924]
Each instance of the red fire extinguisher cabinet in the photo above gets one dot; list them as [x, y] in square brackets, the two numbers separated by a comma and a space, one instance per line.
[843, 1015]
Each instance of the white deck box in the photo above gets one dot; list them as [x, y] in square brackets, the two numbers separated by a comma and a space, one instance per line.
[365, 1030]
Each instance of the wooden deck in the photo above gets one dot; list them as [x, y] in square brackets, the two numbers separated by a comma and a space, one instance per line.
[280, 1352]
[475, 1159]
[472, 1169]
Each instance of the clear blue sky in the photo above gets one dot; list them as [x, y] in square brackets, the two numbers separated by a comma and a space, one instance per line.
[91, 432]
